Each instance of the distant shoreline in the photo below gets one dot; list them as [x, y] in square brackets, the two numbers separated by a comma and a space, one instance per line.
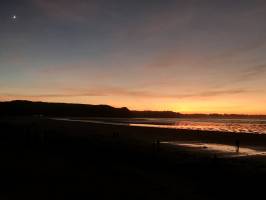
[239, 126]
[170, 134]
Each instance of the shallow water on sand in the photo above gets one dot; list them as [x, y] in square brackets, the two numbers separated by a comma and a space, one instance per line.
[220, 149]
[257, 126]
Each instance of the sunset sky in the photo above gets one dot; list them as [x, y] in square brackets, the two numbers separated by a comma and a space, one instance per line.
[190, 56]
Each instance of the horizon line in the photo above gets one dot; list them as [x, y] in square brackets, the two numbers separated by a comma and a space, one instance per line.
[211, 113]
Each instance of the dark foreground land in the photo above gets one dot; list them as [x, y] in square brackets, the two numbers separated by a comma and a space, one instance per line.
[46, 159]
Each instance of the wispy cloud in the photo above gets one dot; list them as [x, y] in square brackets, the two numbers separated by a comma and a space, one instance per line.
[239, 52]
[130, 93]
[164, 20]
[252, 73]
[76, 10]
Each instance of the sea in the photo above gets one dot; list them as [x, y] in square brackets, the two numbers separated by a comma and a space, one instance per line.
[236, 125]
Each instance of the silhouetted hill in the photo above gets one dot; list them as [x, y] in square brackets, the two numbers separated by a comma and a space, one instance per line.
[28, 108]
[60, 109]
[156, 114]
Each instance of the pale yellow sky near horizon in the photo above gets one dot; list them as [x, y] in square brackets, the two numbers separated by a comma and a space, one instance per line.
[186, 106]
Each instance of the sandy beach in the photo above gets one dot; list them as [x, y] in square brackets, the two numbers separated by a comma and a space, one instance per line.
[43, 158]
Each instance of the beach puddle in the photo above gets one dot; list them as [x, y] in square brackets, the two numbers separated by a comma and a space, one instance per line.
[218, 149]
[221, 149]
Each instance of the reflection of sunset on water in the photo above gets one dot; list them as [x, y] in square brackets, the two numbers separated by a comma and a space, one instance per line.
[255, 126]
[226, 150]
[223, 126]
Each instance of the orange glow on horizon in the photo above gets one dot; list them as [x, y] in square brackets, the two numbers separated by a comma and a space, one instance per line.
[185, 106]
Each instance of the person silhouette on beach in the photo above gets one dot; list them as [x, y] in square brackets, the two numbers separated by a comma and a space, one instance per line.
[237, 146]
[158, 145]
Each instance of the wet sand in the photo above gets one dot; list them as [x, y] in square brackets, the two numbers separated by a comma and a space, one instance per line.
[221, 150]
[212, 142]
[44, 159]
